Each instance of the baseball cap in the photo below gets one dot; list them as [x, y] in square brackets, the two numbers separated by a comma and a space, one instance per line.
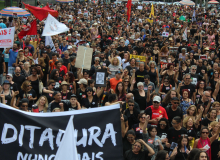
[6, 82]
[82, 81]
[20, 50]
[157, 99]
[9, 74]
[118, 72]
[69, 47]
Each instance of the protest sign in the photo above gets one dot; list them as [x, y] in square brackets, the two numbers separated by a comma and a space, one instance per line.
[7, 37]
[140, 7]
[165, 34]
[53, 27]
[49, 41]
[100, 78]
[84, 57]
[142, 58]
[27, 135]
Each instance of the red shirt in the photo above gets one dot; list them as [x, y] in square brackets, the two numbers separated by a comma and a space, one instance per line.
[154, 113]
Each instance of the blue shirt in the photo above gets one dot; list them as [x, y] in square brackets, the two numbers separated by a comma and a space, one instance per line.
[2, 25]
[12, 57]
[6, 56]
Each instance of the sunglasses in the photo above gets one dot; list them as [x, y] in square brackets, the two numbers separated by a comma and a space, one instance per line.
[156, 102]
[131, 105]
[205, 132]
[127, 81]
[24, 105]
[8, 77]
[176, 103]
[53, 85]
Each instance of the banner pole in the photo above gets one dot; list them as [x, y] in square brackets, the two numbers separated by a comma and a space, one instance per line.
[84, 58]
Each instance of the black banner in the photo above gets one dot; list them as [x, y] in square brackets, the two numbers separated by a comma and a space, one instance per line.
[37, 136]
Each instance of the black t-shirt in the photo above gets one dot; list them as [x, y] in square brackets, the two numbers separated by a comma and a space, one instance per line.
[195, 78]
[190, 87]
[120, 49]
[93, 104]
[171, 114]
[18, 80]
[206, 122]
[27, 95]
[49, 96]
[142, 155]
[56, 105]
[66, 62]
[58, 82]
[130, 69]
[80, 95]
[201, 68]
[173, 135]
[139, 76]
[65, 96]
[140, 100]
[14, 87]
[70, 108]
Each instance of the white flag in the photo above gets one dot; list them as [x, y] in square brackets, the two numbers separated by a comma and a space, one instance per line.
[67, 149]
[53, 27]
[185, 34]
[48, 41]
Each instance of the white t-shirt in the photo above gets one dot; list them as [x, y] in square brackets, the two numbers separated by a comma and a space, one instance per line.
[124, 65]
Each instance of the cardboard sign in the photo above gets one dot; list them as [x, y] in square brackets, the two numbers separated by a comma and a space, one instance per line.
[100, 78]
[142, 58]
[165, 34]
[7, 37]
[84, 57]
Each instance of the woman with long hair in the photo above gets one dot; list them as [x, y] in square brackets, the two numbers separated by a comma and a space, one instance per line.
[200, 88]
[201, 155]
[91, 100]
[191, 126]
[171, 73]
[150, 136]
[185, 100]
[214, 79]
[164, 52]
[162, 155]
[27, 92]
[182, 150]
[26, 71]
[42, 64]
[138, 151]
[7, 92]
[183, 70]
[204, 142]
[125, 74]
[120, 91]
[216, 143]
[164, 87]
[138, 128]
[70, 79]
[35, 77]
[162, 130]
[21, 59]
[126, 61]
[41, 105]
[211, 117]
[153, 73]
[167, 99]
[127, 85]
[48, 91]
[191, 111]
[113, 67]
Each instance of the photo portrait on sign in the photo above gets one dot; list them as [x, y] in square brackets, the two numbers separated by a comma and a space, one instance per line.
[100, 77]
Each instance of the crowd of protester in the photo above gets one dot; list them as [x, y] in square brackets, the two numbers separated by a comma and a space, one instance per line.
[169, 100]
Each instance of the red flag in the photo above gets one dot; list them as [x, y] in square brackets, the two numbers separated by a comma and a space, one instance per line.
[41, 13]
[31, 29]
[129, 9]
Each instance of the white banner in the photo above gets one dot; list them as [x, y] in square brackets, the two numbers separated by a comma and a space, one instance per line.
[7, 37]
[48, 41]
[53, 27]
